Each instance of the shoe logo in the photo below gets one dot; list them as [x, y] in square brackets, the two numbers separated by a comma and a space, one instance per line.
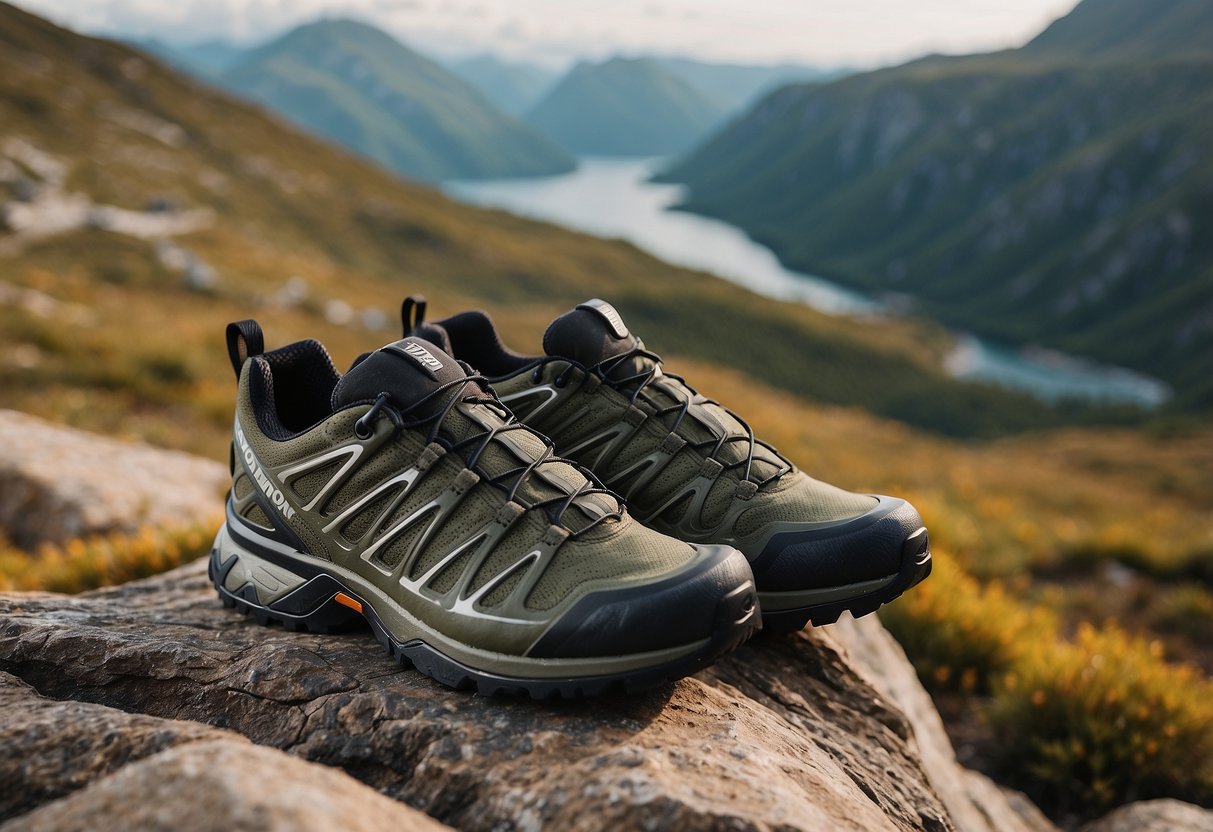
[259, 476]
[419, 354]
[609, 314]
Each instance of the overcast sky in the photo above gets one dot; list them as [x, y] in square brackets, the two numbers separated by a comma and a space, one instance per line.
[827, 32]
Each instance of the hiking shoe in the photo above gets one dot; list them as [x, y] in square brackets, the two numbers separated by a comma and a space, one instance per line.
[690, 468]
[405, 493]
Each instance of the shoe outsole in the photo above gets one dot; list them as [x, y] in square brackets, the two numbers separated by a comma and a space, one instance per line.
[737, 620]
[915, 567]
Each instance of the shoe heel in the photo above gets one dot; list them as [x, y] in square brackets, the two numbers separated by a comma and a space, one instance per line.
[275, 591]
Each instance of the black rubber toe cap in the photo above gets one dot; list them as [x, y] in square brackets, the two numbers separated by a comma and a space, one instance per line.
[717, 591]
[863, 548]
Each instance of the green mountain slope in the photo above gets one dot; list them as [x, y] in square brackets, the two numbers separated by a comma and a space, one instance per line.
[624, 107]
[99, 326]
[1061, 202]
[206, 59]
[733, 86]
[361, 88]
[1129, 29]
[515, 87]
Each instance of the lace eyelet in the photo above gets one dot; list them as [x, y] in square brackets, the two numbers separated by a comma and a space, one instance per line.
[363, 431]
[536, 376]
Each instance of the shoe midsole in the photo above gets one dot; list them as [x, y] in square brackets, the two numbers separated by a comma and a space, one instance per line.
[779, 601]
[404, 627]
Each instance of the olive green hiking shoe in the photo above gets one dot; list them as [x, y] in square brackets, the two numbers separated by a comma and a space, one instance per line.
[404, 493]
[690, 468]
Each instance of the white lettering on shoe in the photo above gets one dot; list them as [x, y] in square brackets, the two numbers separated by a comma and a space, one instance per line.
[272, 492]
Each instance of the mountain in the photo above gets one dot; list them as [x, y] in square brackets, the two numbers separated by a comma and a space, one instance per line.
[140, 211]
[515, 87]
[363, 89]
[206, 59]
[734, 86]
[1128, 30]
[624, 107]
[1060, 194]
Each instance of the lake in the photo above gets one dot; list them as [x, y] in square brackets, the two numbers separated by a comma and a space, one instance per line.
[613, 198]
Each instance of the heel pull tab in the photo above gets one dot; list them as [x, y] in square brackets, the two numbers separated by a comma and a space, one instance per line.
[409, 321]
[244, 340]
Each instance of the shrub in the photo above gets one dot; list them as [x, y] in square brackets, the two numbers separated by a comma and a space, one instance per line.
[959, 634]
[1103, 720]
[103, 560]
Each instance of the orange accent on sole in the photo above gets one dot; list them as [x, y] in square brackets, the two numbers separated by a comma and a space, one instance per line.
[346, 601]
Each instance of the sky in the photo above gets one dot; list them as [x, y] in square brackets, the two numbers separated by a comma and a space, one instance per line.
[859, 33]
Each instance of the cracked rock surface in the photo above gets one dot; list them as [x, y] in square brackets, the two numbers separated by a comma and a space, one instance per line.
[785, 734]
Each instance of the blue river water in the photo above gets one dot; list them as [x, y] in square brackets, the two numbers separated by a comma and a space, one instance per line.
[614, 198]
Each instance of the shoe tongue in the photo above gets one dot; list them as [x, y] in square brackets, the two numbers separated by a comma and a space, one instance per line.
[407, 370]
[589, 334]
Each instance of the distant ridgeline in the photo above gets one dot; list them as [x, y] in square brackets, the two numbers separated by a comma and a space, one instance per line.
[625, 107]
[1061, 193]
[360, 87]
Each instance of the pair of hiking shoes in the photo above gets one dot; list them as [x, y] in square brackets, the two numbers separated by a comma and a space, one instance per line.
[429, 499]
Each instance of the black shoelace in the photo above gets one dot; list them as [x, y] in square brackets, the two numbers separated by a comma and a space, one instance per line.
[510, 481]
[635, 386]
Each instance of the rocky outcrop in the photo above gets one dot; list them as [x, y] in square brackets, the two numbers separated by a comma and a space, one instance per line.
[91, 767]
[975, 802]
[57, 483]
[784, 734]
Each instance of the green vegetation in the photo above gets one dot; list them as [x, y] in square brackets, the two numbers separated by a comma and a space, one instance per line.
[358, 86]
[1037, 195]
[624, 107]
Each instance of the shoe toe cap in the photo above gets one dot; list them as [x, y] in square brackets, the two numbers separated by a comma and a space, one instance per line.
[716, 591]
[816, 555]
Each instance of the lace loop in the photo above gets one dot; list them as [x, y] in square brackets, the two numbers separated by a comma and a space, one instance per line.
[363, 428]
[478, 444]
[637, 383]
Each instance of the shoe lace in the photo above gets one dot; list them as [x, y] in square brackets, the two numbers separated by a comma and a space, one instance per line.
[637, 386]
[473, 447]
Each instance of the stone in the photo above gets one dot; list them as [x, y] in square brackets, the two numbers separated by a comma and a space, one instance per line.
[50, 748]
[225, 785]
[1154, 816]
[57, 483]
[783, 734]
[975, 803]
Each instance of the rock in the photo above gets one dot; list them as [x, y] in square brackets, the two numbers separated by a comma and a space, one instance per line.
[784, 734]
[115, 770]
[51, 748]
[225, 784]
[975, 803]
[57, 483]
[1155, 816]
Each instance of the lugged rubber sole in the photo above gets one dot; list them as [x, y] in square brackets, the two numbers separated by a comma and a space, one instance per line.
[915, 567]
[323, 604]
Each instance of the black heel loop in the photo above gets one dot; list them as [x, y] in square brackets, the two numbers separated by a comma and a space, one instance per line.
[407, 319]
[244, 340]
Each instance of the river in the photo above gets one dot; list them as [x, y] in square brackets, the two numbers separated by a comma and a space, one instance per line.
[614, 198]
